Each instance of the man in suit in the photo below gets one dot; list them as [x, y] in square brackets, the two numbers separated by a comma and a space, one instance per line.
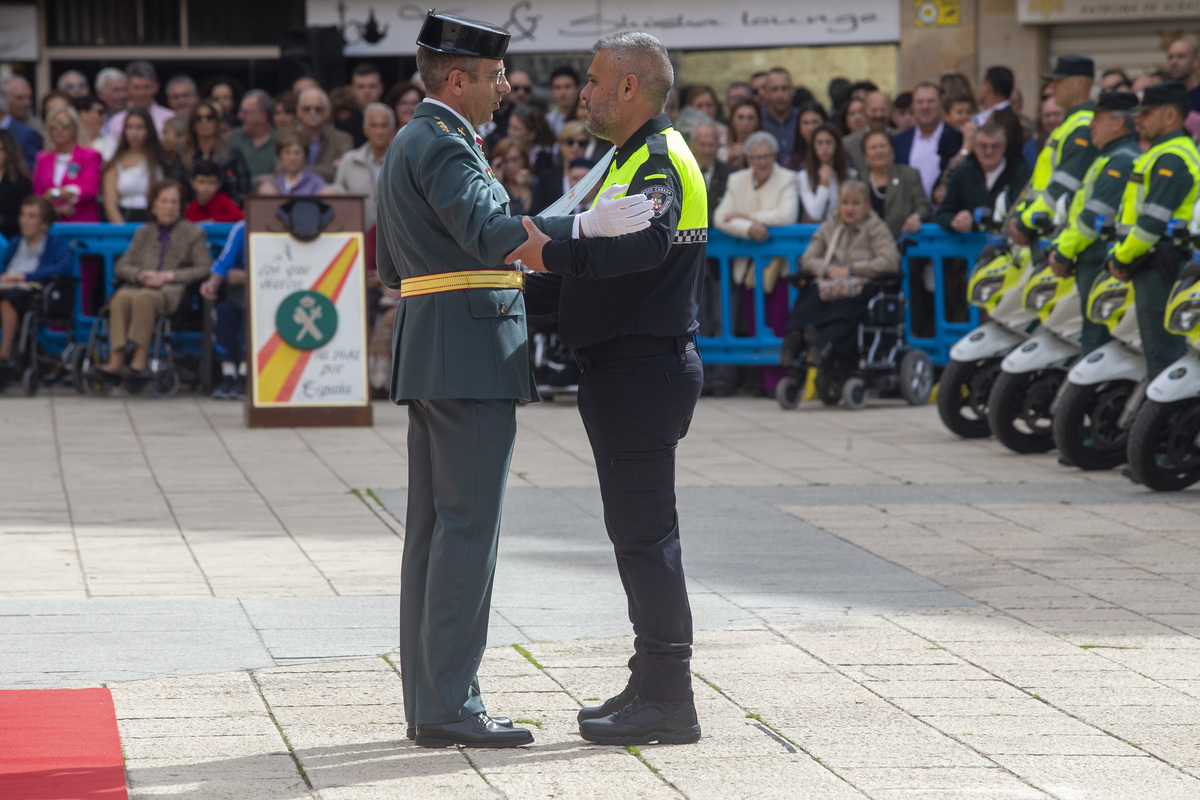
[28, 140]
[879, 115]
[929, 145]
[326, 144]
[461, 364]
[980, 180]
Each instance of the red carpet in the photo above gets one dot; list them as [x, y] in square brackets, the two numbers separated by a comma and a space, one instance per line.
[60, 744]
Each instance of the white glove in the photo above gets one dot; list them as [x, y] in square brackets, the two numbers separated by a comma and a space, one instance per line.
[613, 216]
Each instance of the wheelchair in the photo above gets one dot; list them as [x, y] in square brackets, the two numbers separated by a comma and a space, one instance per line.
[52, 304]
[877, 360]
[167, 370]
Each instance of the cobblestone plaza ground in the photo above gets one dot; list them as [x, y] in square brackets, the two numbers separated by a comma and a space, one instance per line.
[882, 610]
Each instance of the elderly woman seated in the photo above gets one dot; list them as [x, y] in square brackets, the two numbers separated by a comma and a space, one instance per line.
[846, 256]
[32, 259]
[757, 198]
[166, 254]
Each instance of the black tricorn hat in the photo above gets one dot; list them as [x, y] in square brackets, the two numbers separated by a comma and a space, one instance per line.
[1167, 93]
[448, 33]
[1117, 101]
[1072, 65]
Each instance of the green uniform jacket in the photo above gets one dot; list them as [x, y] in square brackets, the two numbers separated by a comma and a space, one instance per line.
[1162, 187]
[1103, 186]
[441, 209]
[1067, 155]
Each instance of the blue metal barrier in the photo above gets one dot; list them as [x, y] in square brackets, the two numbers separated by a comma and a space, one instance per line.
[789, 242]
[108, 242]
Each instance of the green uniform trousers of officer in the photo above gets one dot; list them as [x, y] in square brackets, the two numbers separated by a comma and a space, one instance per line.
[1087, 269]
[455, 450]
[1151, 290]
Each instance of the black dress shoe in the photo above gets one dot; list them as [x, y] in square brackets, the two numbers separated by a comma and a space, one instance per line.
[504, 722]
[644, 722]
[477, 730]
[610, 705]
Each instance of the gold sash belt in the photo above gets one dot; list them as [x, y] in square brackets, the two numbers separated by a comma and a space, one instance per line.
[466, 279]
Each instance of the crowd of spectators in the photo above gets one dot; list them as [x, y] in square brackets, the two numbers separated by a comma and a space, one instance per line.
[773, 152]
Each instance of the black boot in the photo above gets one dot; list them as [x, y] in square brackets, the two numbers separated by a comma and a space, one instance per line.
[644, 722]
[609, 706]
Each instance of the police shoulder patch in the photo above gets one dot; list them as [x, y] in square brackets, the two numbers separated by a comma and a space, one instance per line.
[661, 197]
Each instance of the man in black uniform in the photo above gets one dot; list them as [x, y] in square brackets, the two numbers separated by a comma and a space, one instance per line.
[628, 308]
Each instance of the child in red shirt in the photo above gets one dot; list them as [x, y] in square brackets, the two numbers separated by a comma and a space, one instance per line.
[211, 204]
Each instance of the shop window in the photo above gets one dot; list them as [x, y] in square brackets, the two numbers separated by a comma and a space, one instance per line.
[237, 22]
[111, 23]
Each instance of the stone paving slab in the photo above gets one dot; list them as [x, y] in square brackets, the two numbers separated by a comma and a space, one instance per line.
[882, 610]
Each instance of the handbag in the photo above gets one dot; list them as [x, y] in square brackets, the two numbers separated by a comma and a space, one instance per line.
[830, 289]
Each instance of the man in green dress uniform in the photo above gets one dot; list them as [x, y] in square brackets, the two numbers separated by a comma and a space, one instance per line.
[461, 364]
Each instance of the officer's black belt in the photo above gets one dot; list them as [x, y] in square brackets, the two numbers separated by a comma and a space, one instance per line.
[634, 347]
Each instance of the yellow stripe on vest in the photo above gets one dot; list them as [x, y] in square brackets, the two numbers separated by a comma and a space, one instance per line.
[466, 279]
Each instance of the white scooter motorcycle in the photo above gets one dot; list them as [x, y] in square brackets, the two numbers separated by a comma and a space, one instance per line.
[1104, 389]
[1164, 442]
[1022, 400]
[995, 286]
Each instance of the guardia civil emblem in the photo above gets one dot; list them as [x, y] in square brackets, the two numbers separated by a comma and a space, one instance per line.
[306, 320]
[660, 198]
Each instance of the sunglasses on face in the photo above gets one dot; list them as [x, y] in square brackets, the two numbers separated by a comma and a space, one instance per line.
[576, 142]
[528, 89]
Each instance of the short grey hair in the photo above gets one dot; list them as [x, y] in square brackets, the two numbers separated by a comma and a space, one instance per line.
[181, 80]
[142, 69]
[712, 126]
[378, 108]
[1127, 116]
[262, 100]
[107, 75]
[760, 138]
[321, 92]
[643, 56]
[62, 79]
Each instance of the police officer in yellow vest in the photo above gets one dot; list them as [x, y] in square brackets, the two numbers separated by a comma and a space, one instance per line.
[1068, 153]
[628, 306]
[1159, 198]
[461, 364]
[1079, 248]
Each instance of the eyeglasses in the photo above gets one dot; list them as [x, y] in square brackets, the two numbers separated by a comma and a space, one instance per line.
[576, 142]
[497, 77]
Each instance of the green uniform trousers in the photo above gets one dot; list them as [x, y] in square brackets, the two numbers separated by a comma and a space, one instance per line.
[1151, 291]
[1086, 272]
[459, 452]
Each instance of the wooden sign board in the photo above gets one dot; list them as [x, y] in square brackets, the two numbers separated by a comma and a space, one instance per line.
[307, 319]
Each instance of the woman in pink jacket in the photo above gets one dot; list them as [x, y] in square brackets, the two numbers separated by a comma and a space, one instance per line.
[65, 173]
